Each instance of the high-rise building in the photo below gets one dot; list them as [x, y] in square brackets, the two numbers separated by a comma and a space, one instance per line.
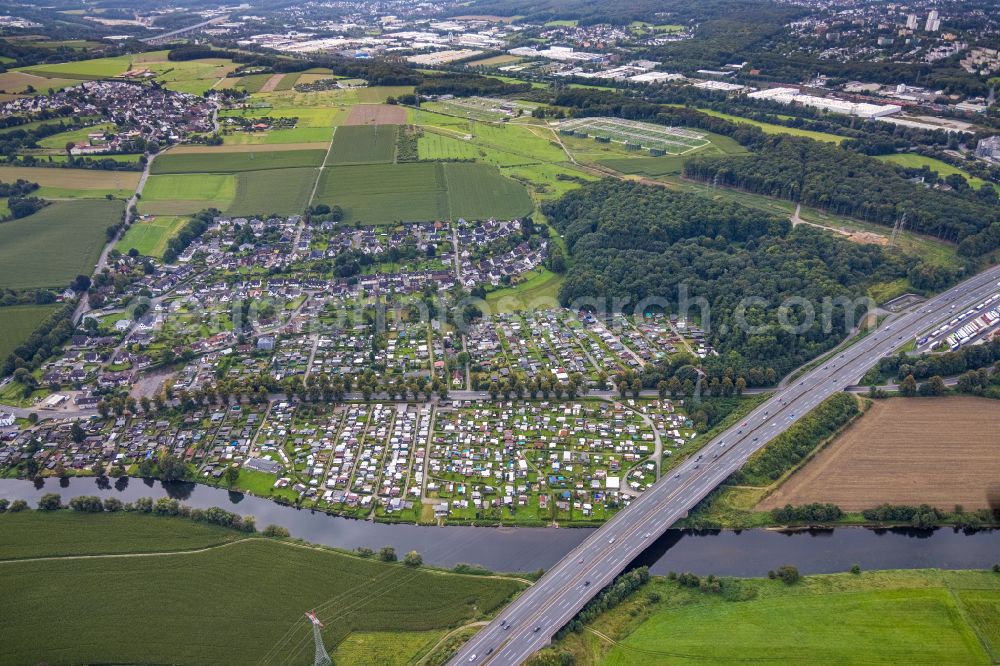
[911, 22]
[933, 22]
[989, 147]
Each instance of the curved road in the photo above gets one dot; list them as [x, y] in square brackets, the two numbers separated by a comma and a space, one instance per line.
[529, 623]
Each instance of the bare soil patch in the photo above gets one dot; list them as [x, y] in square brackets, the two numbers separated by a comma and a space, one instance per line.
[376, 114]
[938, 451]
[271, 83]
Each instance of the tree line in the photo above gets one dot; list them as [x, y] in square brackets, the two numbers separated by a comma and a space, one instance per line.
[792, 446]
[846, 183]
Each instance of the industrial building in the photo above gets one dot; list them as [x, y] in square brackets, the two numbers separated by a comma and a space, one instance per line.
[860, 109]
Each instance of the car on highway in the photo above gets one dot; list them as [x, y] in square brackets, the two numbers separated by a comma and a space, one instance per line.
[536, 630]
[611, 540]
[472, 658]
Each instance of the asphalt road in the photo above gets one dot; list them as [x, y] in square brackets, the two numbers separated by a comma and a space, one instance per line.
[529, 623]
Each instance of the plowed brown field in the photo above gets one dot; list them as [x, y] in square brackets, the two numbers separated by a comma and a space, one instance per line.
[376, 114]
[939, 451]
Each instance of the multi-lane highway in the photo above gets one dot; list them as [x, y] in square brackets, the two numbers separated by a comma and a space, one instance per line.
[527, 624]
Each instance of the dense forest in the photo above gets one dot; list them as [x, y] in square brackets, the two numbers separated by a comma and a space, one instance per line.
[635, 242]
[848, 183]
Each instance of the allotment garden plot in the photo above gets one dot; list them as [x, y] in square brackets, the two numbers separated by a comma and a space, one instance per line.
[541, 461]
[656, 139]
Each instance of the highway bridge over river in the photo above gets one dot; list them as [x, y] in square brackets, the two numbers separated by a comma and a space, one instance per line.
[529, 623]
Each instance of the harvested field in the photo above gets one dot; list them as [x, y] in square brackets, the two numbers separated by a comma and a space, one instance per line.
[376, 114]
[939, 451]
[272, 83]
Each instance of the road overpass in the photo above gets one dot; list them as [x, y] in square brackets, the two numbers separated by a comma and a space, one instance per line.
[167, 36]
[528, 623]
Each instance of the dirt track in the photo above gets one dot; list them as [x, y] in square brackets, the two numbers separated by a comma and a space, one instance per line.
[376, 114]
[939, 451]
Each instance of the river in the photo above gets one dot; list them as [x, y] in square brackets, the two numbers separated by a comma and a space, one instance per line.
[722, 552]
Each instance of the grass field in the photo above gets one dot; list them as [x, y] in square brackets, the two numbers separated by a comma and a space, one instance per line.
[882, 617]
[539, 291]
[98, 68]
[478, 191]
[283, 191]
[770, 128]
[385, 193]
[59, 242]
[306, 116]
[231, 162]
[434, 146]
[70, 533]
[280, 137]
[60, 183]
[17, 323]
[914, 161]
[191, 76]
[194, 149]
[150, 237]
[378, 94]
[364, 144]
[57, 142]
[494, 61]
[177, 194]
[904, 451]
[175, 608]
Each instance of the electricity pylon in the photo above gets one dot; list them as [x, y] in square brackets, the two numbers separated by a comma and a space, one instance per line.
[321, 658]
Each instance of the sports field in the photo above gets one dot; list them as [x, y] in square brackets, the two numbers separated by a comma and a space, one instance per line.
[17, 322]
[238, 603]
[150, 237]
[937, 451]
[230, 162]
[363, 144]
[62, 183]
[890, 617]
[59, 242]
[385, 193]
[180, 193]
